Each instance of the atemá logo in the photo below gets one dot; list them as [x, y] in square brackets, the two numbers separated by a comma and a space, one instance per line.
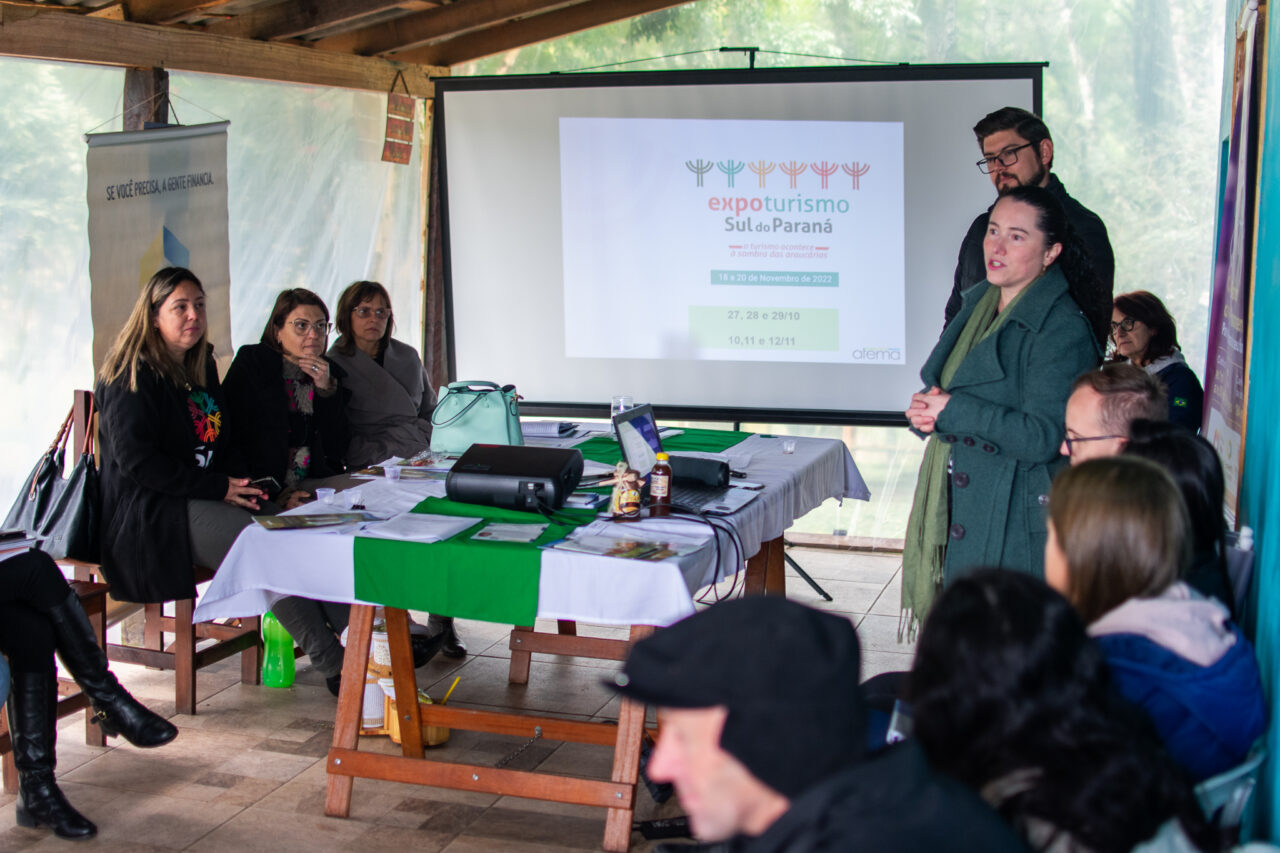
[793, 169]
[877, 354]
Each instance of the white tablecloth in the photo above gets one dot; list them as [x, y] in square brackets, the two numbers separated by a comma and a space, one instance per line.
[264, 566]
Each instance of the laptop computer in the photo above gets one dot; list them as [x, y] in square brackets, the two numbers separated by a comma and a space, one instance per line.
[640, 443]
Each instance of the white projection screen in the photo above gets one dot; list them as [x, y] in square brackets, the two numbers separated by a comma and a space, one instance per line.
[768, 245]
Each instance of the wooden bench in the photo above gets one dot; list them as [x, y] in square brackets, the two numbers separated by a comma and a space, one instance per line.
[93, 598]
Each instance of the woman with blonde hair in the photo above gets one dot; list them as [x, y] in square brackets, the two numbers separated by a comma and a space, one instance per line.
[1119, 542]
[168, 500]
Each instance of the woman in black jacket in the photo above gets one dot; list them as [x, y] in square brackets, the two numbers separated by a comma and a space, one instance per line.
[167, 501]
[1146, 335]
[286, 400]
[290, 420]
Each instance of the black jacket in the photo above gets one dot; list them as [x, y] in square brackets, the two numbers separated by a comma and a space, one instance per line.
[890, 801]
[149, 468]
[259, 414]
[971, 266]
[1186, 397]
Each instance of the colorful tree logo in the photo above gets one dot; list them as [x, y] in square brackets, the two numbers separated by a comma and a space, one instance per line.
[730, 168]
[699, 168]
[854, 170]
[761, 168]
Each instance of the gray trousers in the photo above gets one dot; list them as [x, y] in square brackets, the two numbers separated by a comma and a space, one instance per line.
[214, 526]
[315, 627]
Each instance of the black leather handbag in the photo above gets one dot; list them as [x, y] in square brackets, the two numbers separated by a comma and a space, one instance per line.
[63, 512]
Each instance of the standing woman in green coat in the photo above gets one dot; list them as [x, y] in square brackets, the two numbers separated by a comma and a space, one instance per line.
[997, 386]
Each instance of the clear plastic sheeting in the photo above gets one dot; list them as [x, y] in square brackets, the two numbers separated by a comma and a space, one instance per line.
[311, 204]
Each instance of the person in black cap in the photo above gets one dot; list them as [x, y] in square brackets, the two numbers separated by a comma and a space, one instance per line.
[762, 736]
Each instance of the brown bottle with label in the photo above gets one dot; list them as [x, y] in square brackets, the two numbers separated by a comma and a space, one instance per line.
[660, 487]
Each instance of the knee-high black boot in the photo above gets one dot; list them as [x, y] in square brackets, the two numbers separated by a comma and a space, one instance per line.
[33, 716]
[115, 710]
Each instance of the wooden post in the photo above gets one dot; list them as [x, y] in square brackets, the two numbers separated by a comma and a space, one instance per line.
[146, 97]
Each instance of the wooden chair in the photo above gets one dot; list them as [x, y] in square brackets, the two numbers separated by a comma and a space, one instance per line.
[182, 656]
[93, 598]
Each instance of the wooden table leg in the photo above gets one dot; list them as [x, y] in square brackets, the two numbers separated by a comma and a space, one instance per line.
[766, 571]
[567, 627]
[406, 680]
[519, 671]
[626, 763]
[346, 723]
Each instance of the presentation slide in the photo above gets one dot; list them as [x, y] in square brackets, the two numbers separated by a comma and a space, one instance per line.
[761, 240]
[773, 243]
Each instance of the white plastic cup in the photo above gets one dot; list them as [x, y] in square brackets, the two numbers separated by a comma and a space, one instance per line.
[323, 495]
[788, 446]
[392, 472]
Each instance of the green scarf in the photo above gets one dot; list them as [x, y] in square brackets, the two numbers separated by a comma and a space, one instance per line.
[925, 550]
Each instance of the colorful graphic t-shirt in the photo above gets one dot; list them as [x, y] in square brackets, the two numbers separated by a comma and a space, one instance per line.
[206, 419]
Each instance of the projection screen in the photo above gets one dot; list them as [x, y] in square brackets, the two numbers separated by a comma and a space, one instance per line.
[772, 245]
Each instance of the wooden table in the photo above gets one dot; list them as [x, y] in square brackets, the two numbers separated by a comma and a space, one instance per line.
[345, 763]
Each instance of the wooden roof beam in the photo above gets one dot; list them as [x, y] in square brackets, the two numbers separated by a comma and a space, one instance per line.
[50, 32]
[530, 30]
[167, 11]
[293, 19]
[448, 21]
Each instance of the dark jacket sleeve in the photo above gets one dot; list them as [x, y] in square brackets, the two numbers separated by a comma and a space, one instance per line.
[970, 266]
[135, 420]
[333, 431]
[1186, 397]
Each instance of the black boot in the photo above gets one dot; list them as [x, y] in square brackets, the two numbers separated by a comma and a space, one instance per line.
[33, 716]
[115, 710]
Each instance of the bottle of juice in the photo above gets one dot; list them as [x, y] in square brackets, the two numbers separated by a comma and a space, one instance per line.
[660, 487]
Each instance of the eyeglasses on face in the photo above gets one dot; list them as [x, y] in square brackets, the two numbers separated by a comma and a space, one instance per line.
[364, 311]
[1125, 325]
[302, 327]
[1072, 442]
[1005, 158]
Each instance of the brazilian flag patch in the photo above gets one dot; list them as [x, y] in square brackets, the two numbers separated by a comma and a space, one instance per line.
[1180, 402]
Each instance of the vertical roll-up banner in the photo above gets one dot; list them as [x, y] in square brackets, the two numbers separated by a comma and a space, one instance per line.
[158, 198]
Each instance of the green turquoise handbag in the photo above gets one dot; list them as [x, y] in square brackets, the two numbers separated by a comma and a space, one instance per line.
[470, 413]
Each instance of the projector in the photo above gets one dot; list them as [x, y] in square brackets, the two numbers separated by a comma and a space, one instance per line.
[514, 477]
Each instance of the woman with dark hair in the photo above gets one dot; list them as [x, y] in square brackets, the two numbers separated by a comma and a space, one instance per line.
[1146, 335]
[391, 398]
[40, 614]
[1118, 543]
[1009, 696]
[166, 501]
[285, 400]
[997, 386]
[1196, 469]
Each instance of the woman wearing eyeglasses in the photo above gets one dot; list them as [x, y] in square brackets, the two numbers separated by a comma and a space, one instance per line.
[1146, 335]
[391, 395]
[391, 398]
[290, 424]
[285, 399]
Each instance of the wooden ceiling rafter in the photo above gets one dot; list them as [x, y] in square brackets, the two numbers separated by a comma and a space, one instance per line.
[50, 32]
[291, 20]
[168, 11]
[538, 28]
[449, 21]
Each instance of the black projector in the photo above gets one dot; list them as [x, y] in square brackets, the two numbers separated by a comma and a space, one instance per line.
[514, 477]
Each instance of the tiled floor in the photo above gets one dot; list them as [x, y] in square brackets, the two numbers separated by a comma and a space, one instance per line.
[247, 772]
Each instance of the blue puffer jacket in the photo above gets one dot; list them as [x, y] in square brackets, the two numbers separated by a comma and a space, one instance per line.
[1208, 716]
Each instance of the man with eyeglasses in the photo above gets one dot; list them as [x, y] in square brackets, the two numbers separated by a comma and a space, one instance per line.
[1018, 151]
[1102, 405]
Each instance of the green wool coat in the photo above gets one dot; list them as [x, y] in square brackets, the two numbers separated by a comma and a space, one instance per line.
[1004, 423]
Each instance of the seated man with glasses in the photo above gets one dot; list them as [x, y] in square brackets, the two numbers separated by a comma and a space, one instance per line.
[1102, 406]
[1017, 151]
